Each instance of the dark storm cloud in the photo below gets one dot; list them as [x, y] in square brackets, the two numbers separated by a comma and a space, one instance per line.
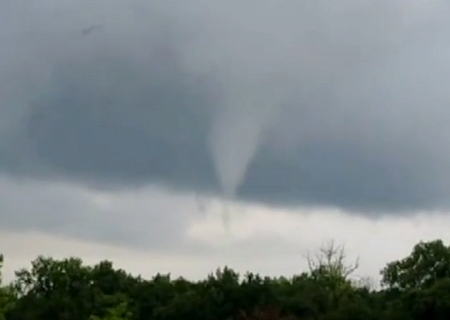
[339, 104]
[140, 219]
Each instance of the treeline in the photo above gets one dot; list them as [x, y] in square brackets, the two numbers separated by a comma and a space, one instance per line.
[415, 287]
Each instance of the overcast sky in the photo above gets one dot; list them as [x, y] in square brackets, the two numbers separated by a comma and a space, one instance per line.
[129, 128]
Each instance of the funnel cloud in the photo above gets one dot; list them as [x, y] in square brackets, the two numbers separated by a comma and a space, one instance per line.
[339, 104]
[236, 134]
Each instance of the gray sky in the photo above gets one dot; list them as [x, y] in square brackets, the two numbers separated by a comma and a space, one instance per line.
[290, 104]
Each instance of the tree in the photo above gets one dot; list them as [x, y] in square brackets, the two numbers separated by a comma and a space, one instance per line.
[119, 312]
[330, 270]
[2, 292]
[418, 287]
[53, 289]
[427, 263]
[7, 294]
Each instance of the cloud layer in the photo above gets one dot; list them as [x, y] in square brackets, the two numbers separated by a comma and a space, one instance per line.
[140, 219]
[289, 103]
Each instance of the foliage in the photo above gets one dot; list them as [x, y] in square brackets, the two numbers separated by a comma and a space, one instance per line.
[415, 287]
[7, 296]
[428, 263]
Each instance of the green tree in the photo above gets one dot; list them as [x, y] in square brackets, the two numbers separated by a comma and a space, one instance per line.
[3, 295]
[427, 263]
[7, 294]
[119, 312]
[53, 289]
[329, 270]
[416, 287]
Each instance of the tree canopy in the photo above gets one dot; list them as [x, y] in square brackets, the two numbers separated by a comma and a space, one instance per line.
[414, 287]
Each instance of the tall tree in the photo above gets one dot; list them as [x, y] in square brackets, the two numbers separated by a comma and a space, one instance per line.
[7, 294]
[427, 263]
